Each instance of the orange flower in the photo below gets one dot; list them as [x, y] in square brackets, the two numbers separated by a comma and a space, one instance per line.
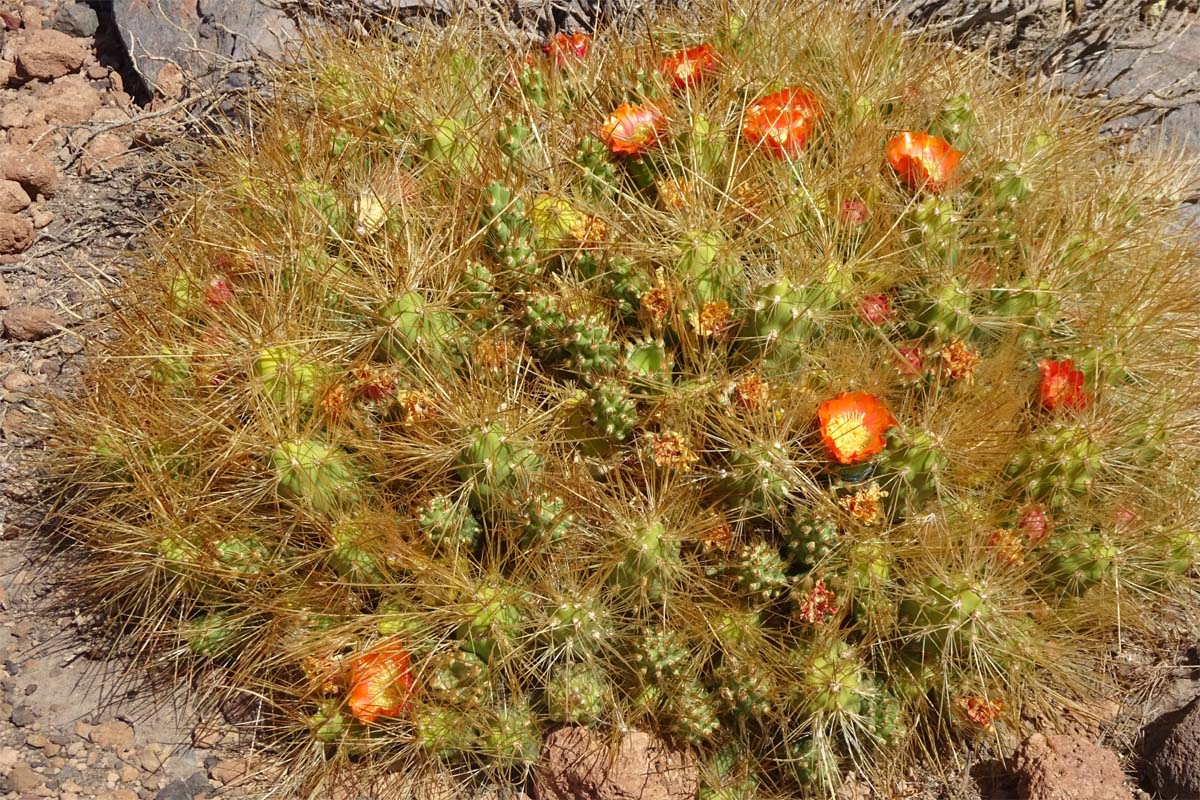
[632, 129]
[1062, 385]
[565, 46]
[852, 426]
[923, 161]
[783, 121]
[688, 67]
[380, 683]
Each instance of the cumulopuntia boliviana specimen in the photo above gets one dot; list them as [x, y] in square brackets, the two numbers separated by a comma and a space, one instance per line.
[675, 386]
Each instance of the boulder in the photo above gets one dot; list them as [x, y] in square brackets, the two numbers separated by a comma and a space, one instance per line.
[194, 34]
[76, 19]
[1173, 762]
[1068, 768]
[576, 764]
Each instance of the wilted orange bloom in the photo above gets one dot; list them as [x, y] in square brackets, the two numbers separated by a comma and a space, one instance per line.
[380, 684]
[911, 362]
[959, 361]
[670, 449]
[1062, 385]
[875, 309]
[415, 407]
[923, 161]
[565, 46]
[373, 384]
[322, 675]
[783, 121]
[689, 67]
[718, 537]
[818, 605]
[852, 426]
[865, 505]
[656, 303]
[752, 392]
[1008, 545]
[673, 193]
[981, 711]
[633, 129]
[713, 319]
[335, 401]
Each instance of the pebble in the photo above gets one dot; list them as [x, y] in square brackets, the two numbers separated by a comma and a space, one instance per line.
[5, 295]
[33, 171]
[13, 198]
[16, 234]
[31, 323]
[16, 382]
[23, 716]
[22, 778]
[112, 735]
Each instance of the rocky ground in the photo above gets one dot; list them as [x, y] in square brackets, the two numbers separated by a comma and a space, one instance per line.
[83, 148]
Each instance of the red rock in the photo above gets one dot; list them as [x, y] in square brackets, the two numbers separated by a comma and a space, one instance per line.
[33, 171]
[39, 139]
[70, 101]
[1068, 768]
[12, 197]
[21, 112]
[16, 234]
[105, 153]
[31, 323]
[576, 764]
[45, 55]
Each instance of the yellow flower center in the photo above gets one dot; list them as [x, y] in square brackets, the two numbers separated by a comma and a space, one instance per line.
[849, 432]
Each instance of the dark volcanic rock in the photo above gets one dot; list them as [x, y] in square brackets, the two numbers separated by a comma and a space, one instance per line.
[196, 34]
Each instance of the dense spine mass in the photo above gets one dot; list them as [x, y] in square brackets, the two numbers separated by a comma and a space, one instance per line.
[674, 382]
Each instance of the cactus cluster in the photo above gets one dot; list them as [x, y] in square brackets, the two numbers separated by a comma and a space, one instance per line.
[801, 394]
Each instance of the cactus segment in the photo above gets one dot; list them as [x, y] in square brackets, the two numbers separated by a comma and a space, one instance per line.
[1060, 461]
[417, 333]
[212, 634]
[322, 475]
[444, 732]
[613, 412]
[914, 462]
[495, 621]
[956, 123]
[510, 735]
[545, 520]
[286, 378]
[833, 681]
[510, 235]
[497, 468]
[759, 575]
[448, 524]
[648, 559]
[809, 540]
[576, 693]
[1079, 559]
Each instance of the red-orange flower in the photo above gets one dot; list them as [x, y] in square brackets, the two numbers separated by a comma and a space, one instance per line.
[1062, 385]
[688, 67]
[633, 129]
[923, 161]
[564, 46]
[853, 424]
[783, 121]
[380, 683]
